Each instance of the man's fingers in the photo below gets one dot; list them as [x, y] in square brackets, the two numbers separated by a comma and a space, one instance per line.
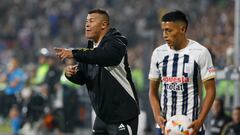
[191, 126]
[63, 53]
[162, 127]
[161, 124]
[70, 70]
[163, 120]
[57, 48]
[59, 52]
[193, 132]
[167, 131]
[60, 55]
[75, 66]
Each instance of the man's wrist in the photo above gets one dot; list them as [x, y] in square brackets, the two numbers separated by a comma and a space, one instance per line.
[156, 115]
[201, 119]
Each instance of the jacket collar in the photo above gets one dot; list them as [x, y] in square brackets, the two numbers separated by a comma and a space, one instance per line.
[111, 32]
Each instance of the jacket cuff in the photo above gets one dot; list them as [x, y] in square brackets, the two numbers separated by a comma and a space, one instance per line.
[75, 53]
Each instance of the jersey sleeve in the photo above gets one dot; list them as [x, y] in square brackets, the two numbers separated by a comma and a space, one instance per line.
[154, 73]
[206, 66]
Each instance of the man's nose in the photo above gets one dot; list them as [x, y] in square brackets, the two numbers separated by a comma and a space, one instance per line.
[165, 36]
[87, 25]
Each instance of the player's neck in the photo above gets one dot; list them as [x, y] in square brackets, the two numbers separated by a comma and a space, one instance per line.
[185, 43]
[181, 45]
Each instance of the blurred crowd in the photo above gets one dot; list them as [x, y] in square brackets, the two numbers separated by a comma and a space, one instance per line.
[33, 86]
[28, 25]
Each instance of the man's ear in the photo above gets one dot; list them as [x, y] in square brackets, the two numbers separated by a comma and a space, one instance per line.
[104, 25]
[183, 28]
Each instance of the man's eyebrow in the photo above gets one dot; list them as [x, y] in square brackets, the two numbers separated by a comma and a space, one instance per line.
[90, 18]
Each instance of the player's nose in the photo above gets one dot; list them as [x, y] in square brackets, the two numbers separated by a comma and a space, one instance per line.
[165, 36]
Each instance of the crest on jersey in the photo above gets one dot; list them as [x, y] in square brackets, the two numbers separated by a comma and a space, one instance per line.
[211, 69]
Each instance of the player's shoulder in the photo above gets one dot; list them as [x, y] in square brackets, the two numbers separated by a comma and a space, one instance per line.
[161, 49]
[196, 47]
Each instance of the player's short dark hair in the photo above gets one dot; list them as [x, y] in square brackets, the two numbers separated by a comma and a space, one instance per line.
[101, 12]
[175, 16]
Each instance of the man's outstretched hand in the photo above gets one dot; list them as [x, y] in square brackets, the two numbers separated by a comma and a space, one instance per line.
[63, 53]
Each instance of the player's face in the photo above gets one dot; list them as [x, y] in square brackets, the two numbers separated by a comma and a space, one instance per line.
[93, 26]
[171, 33]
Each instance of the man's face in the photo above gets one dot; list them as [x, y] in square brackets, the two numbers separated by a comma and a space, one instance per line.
[12, 65]
[236, 116]
[93, 26]
[171, 33]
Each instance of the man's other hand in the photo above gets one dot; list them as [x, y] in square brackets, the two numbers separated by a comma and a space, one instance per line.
[71, 70]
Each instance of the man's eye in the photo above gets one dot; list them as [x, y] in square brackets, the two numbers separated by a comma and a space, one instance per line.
[169, 30]
[87, 21]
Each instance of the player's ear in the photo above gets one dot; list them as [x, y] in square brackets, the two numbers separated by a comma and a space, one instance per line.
[183, 28]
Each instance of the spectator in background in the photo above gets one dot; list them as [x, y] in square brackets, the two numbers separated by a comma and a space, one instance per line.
[219, 118]
[35, 106]
[15, 79]
[16, 120]
[233, 128]
[53, 75]
[42, 68]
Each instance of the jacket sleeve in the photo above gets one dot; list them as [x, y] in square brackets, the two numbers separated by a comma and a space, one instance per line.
[80, 77]
[110, 54]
